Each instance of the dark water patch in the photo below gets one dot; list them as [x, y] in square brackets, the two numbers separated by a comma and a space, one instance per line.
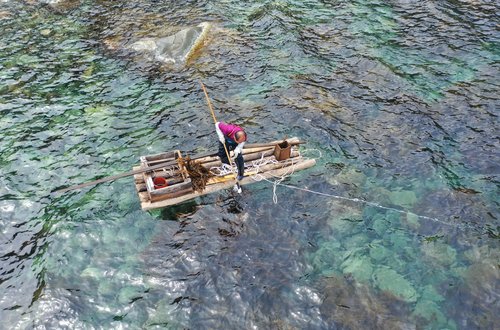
[396, 225]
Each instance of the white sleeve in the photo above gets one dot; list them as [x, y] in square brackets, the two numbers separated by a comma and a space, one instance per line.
[219, 133]
[239, 148]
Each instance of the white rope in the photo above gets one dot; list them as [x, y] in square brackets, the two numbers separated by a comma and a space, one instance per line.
[257, 164]
[169, 172]
[357, 200]
[223, 170]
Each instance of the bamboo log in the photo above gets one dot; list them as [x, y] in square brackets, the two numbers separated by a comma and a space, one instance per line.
[289, 163]
[246, 158]
[251, 148]
[245, 152]
[292, 141]
[267, 156]
[173, 194]
[114, 177]
[171, 189]
[216, 187]
[158, 161]
[144, 197]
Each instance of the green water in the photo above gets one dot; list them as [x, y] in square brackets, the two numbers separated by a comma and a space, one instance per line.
[395, 227]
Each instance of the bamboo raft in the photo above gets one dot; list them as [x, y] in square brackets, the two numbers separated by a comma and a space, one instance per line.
[172, 184]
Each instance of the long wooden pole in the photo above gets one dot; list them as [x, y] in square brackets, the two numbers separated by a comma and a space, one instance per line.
[215, 122]
[130, 173]
[118, 176]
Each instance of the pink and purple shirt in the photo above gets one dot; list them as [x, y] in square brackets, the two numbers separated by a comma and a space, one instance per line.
[229, 130]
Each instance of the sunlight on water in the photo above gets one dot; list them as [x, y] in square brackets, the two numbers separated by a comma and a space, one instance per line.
[395, 227]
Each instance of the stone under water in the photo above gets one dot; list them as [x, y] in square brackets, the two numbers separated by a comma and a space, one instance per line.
[176, 48]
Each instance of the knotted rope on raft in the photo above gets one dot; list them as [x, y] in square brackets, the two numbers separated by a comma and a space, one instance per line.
[199, 175]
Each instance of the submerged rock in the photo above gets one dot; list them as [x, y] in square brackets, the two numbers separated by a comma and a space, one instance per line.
[403, 198]
[128, 294]
[412, 220]
[389, 280]
[354, 305]
[61, 6]
[380, 224]
[349, 176]
[92, 272]
[359, 266]
[429, 311]
[176, 48]
[4, 14]
[441, 253]
[378, 252]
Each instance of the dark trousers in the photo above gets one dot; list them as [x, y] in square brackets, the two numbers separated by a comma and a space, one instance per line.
[240, 163]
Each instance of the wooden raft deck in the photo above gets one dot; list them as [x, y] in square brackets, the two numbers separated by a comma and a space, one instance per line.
[179, 188]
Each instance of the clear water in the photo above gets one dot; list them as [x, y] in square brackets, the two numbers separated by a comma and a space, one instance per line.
[399, 97]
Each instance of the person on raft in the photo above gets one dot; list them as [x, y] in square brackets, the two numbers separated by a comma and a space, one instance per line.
[234, 137]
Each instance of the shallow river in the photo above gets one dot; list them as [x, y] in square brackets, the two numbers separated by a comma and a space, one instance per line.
[396, 227]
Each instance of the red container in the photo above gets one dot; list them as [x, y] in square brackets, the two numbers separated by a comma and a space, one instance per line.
[160, 182]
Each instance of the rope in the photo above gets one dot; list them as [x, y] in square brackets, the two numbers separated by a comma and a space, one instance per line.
[257, 164]
[356, 200]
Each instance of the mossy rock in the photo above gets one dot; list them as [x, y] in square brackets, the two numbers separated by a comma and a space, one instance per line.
[378, 252]
[128, 294]
[92, 272]
[350, 176]
[412, 220]
[429, 293]
[109, 236]
[325, 256]
[442, 253]
[381, 194]
[380, 225]
[399, 240]
[389, 280]
[127, 201]
[80, 257]
[26, 59]
[345, 225]
[45, 32]
[97, 109]
[359, 266]
[430, 311]
[106, 288]
[403, 198]
[161, 314]
[356, 241]
[459, 271]
[479, 253]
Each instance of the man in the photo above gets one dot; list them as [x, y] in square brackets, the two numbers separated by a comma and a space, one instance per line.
[234, 137]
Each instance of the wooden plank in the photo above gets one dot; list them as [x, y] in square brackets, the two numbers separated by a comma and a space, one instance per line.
[216, 187]
[268, 155]
[144, 197]
[171, 189]
[245, 152]
[156, 198]
[141, 187]
[292, 141]
[229, 177]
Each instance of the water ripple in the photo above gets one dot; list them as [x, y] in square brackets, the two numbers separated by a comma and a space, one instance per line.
[399, 97]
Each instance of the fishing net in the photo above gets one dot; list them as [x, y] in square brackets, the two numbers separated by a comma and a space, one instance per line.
[198, 173]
